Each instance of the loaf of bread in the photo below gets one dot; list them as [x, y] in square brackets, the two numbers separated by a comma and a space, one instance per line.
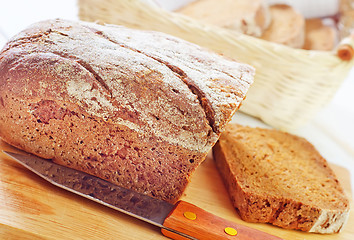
[139, 109]
[319, 36]
[278, 178]
[248, 17]
[287, 26]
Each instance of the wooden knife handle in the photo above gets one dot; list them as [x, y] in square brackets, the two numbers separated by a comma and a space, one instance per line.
[197, 223]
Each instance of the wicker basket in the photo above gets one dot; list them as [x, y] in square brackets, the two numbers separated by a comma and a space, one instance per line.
[291, 85]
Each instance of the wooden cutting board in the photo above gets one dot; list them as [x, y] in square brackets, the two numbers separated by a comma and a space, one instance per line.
[31, 208]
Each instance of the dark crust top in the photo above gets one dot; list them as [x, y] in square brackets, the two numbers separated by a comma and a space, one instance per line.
[148, 81]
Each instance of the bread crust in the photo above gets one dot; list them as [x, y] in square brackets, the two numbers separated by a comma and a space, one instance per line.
[319, 36]
[287, 26]
[259, 193]
[248, 17]
[139, 109]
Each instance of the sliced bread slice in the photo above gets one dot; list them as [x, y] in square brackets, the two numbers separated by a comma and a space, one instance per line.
[287, 26]
[248, 17]
[278, 178]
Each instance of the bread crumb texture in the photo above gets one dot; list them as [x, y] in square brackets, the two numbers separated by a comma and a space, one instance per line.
[279, 178]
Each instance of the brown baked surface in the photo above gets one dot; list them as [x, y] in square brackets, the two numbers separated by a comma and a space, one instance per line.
[249, 17]
[278, 178]
[287, 26]
[346, 18]
[319, 36]
[139, 109]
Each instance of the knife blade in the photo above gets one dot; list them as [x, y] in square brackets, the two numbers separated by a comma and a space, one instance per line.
[180, 221]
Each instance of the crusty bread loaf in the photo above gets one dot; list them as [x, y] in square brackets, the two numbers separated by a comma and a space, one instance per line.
[319, 36]
[139, 109]
[249, 17]
[287, 26]
[278, 178]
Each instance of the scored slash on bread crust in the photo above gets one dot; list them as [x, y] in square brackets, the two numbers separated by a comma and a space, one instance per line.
[140, 109]
[279, 178]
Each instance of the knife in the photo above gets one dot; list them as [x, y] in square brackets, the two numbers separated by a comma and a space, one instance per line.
[180, 221]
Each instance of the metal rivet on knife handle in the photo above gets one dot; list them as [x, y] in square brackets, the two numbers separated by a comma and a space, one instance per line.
[190, 215]
[231, 231]
[207, 226]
